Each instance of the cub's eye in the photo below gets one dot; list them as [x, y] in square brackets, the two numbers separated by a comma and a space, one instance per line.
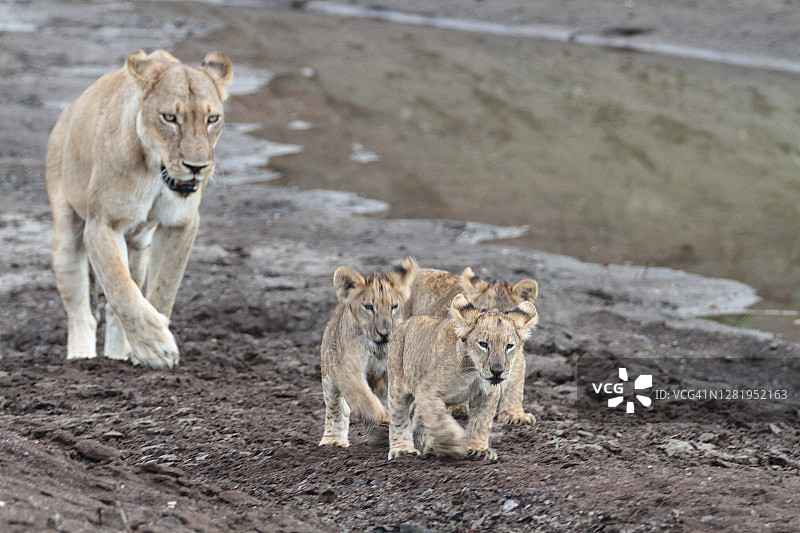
[212, 119]
[509, 347]
[369, 307]
[394, 307]
[169, 117]
[484, 345]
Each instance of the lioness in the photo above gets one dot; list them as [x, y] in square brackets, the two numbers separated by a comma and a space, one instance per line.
[354, 346]
[435, 363]
[127, 165]
[431, 294]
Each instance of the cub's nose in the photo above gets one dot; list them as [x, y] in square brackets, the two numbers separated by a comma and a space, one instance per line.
[497, 369]
[383, 338]
[194, 167]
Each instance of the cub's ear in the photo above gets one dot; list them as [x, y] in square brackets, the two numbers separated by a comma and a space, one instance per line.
[462, 310]
[525, 318]
[402, 276]
[220, 69]
[472, 284]
[345, 280]
[164, 57]
[527, 289]
[145, 69]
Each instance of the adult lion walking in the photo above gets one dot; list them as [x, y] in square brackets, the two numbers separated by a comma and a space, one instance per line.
[127, 165]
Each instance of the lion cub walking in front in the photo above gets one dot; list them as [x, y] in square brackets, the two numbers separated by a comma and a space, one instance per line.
[355, 344]
[437, 363]
[431, 294]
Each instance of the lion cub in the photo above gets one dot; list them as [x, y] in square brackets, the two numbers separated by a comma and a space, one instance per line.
[431, 294]
[435, 363]
[355, 345]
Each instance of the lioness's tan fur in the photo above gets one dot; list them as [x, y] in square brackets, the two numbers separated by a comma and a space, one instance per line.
[431, 294]
[435, 363]
[355, 344]
[122, 162]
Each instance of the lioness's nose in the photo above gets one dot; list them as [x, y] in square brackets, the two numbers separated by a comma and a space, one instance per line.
[193, 167]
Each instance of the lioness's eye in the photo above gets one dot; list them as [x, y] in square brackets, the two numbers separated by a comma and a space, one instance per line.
[212, 119]
[484, 345]
[369, 307]
[169, 117]
[394, 307]
[509, 347]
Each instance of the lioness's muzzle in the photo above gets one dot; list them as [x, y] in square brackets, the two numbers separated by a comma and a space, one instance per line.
[184, 188]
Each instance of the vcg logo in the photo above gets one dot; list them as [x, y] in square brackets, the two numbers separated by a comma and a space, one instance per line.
[645, 381]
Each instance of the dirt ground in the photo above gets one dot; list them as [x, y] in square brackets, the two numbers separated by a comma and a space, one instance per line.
[228, 440]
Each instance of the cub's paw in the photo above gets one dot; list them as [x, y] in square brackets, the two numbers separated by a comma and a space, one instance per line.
[486, 453]
[397, 451]
[456, 450]
[332, 440]
[519, 417]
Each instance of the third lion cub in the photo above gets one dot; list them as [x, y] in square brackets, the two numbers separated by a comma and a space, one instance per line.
[436, 363]
[431, 294]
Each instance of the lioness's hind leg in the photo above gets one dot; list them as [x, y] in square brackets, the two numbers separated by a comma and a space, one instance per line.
[337, 415]
[511, 410]
[116, 343]
[71, 267]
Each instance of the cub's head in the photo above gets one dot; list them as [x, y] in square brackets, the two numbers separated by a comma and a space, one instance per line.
[181, 114]
[375, 301]
[491, 338]
[497, 294]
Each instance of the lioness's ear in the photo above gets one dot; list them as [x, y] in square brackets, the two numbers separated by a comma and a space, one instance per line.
[402, 276]
[472, 284]
[345, 279]
[220, 69]
[144, 69]
[525, 318]
[527, 289]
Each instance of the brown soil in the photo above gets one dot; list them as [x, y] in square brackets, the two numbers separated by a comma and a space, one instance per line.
[228, 440]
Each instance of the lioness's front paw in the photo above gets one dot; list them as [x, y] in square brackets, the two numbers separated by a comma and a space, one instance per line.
[81, 354]
[519, 417]
[397, 451]
[154, 347]
[486, 453]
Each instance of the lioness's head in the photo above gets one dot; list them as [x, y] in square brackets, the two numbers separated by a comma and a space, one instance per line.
[375, 301]
[491, 338]
[497, 294]
[181, 115]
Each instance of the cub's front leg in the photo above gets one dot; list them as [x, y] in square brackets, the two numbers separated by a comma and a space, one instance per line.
[482, 409]
[152, 344]
[439, 427]
[511, 410]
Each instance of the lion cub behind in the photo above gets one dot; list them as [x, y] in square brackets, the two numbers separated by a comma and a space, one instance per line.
[431, 294]
[436, 363]
[355, 344]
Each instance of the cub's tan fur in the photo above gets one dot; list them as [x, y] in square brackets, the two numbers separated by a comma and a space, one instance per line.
[355, 344]
[123, 163]
[435, 363]
[431, 294]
